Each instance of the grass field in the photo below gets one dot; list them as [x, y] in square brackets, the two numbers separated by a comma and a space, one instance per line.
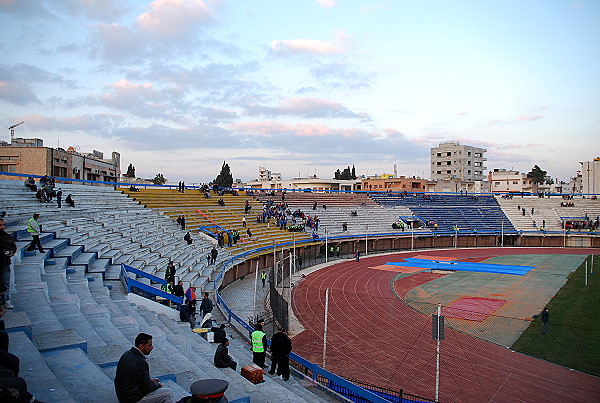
[574, 336]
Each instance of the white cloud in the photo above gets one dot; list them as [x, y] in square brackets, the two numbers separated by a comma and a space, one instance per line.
[341, 44]
[326, 3]
[307, 107]
[173, 18]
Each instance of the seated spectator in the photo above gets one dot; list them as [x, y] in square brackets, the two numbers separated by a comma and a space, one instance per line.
[133, 189]
[222, 358]
[69, 200]
[206, 321]
[132, 379]
[40, 195]
[188, 238]
[30, 183]
[221, 202]
[219, 332]
[50, 193]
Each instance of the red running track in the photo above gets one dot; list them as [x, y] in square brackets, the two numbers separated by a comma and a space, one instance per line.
[375, 337]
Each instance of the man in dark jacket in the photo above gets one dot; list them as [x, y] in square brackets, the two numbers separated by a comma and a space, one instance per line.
[281, 347]
[545, 320]
[178, 290]
[8, 248]
[219, 332]
[133, 382]
[206, 306]
[222, 358]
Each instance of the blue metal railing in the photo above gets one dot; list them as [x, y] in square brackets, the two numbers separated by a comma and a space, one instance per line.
[146, 289]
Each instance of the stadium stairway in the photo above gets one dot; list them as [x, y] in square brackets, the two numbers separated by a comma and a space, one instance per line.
[71, 322]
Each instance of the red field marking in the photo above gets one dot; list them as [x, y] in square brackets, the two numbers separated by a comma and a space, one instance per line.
[472, 308]
[375, 337]
[397, 269]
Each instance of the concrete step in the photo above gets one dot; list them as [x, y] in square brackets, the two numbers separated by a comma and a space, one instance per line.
[99, 266]
[55, 245]
[71, 252]
[126, 259]
[42, 382]
[84, 259]
[100, 248]
[113, 272]
[112, 254]
[83, 379]
[138, 264]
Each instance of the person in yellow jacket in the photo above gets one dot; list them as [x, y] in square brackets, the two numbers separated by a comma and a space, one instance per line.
[259, 346]
[33, 228]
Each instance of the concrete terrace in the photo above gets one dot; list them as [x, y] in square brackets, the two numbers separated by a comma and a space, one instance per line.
[73, 319]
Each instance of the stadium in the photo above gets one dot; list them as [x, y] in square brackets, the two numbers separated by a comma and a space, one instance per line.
[359, 296]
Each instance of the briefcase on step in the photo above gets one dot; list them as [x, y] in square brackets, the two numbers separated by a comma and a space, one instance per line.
[253, 373]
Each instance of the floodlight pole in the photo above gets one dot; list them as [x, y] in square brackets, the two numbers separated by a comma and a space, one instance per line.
[366, 240]
[502, 235]
[326, 247]
[586, 282]
[255, 288]
[274, 259]
[294, 242]
[325, 326]
[291, 263]
[564, 237]
[437, 357]
[412, 235]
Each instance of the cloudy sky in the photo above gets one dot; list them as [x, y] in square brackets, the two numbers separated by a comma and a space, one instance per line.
[304, 86]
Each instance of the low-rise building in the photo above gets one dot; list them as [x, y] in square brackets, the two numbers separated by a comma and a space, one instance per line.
[383, 184]
[456, 185]
[503, 181]
[29, 156]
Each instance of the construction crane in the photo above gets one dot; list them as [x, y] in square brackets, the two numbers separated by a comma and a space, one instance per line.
[12, 131]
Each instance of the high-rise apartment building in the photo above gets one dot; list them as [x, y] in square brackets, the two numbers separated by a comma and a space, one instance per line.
[452, 160]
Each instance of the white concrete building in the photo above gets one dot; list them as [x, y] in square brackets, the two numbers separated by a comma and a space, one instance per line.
[266, 175]
[452, 160]
[590, 176]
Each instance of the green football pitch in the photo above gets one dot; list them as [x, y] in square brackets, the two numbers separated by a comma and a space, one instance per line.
[573, 339]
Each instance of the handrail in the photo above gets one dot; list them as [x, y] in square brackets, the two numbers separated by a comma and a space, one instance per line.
[130, 282]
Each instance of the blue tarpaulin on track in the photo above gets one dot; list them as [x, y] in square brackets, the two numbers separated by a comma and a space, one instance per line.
[463, 266]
